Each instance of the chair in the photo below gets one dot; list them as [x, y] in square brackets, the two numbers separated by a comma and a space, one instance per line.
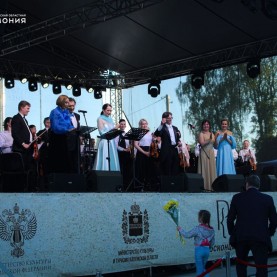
[14, 177]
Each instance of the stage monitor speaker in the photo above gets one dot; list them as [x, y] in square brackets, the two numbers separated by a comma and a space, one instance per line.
[268, 183]
[229, 183]
[67, 182]
[105, 181]
[193, 182]
[172, 183]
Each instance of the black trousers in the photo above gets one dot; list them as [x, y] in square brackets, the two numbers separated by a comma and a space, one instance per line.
[169, 164]
[260, 256]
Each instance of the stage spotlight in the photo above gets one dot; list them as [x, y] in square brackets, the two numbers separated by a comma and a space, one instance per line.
[9, 81]
[154, 88]
[23, 80]
[68, 86]
[197, 80]
[32, 84]
[44, 84]
[57, 88]
[76, 90]
[97, 93]
[89, 88]
[253, 69]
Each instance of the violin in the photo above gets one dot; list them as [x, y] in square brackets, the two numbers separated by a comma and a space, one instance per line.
[183, 161]
[252, 162]
[154, 149]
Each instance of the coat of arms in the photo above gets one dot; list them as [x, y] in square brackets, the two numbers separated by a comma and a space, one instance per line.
[135, 226]
[17, 226]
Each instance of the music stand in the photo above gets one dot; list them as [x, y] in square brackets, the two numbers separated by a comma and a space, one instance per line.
[109, 136]
[85, 133]
[135, 134]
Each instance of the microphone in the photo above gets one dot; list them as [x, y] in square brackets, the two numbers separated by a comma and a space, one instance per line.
[81, 111]
[191, 126]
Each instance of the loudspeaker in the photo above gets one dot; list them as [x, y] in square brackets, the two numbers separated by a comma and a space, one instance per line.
[193, 182]
[66, 182]
[172, 183]
[229, 183]
[105, 181]
[268, 183]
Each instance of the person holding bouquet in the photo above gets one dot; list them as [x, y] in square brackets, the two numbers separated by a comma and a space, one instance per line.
[204, 238]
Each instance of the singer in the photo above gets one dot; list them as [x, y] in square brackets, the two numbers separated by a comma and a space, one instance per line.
[206, 161]
[170, 137]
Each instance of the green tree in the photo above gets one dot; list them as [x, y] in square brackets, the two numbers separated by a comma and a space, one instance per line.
[219, 98]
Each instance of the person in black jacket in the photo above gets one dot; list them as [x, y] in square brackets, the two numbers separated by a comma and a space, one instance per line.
[22, 136]
[170, 140]
[251, 221]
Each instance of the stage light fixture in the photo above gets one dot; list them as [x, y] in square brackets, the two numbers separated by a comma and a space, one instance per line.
[23, 80]
[154, 88]
[68, 86]
[32, 84]
[57, 88]
[9, 81]
[44, 84]
[197, 80]
[76, 90]
[97, 93]
[253, 68]
[89, 88]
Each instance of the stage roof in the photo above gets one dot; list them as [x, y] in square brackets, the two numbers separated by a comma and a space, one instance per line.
[80, 40]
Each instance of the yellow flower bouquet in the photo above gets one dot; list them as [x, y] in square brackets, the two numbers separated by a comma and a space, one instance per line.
[172, 208]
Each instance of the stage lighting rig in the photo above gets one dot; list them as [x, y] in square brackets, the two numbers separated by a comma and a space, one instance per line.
[76, 90]
[9, 81]
[154, 88]
[32, 84]
[197, 79]
[56, 87]
[253, 68]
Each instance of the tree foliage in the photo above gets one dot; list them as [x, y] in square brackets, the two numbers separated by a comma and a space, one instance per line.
[230, 93]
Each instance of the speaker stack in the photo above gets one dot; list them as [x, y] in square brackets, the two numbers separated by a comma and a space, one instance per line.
[66, 182]
[229, 183]
[190, 182]
[104, 181]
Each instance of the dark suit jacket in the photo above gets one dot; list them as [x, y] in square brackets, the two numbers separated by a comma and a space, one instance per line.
[252, 216]
[166, 141]
[20, 133]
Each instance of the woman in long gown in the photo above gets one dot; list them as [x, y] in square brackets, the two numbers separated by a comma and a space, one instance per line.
[105, 124]
[206, 161]
[225, 142]
[144, 165]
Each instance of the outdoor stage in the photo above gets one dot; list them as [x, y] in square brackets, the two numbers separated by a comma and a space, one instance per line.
[76, 234]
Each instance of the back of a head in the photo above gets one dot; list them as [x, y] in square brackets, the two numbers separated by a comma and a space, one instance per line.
[204, 216]
[253, 181]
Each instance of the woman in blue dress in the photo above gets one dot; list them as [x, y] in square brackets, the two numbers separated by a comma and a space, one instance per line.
[224, 143]
[105, 124]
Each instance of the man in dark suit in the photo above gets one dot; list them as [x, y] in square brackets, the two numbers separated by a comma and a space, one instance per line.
[170, 140]
[73, 140]
[22, 136]
[251, 221]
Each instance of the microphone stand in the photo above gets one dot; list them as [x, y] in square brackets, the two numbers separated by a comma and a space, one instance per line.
[87, 136]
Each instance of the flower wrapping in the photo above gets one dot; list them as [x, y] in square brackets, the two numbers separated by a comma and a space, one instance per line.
[172, 208]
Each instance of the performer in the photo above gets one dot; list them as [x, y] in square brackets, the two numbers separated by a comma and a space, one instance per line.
[247, 153]
[206, 161]
[22, 136]
[225, 142]
[61, 125]
[105, 124]
[184, 156]
[73, 140]
[170, 137]
[124, 155]
[6, 139]
[144, 165]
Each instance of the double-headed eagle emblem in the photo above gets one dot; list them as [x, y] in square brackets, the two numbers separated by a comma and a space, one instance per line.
[17, 226]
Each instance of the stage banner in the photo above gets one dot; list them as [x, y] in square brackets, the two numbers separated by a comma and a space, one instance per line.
[72, 234]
